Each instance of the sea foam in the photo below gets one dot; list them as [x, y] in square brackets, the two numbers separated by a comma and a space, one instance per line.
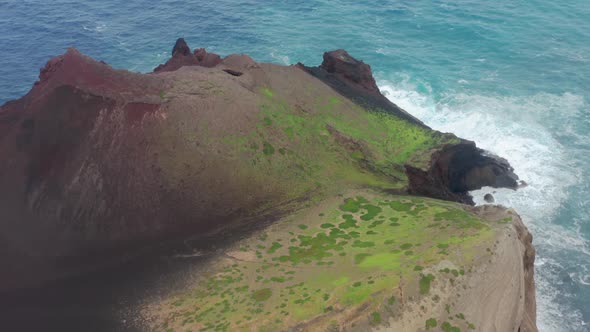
[513, 128]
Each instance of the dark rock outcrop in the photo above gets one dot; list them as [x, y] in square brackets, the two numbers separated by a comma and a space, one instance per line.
[182, 56]
[460, 168]
[181, 47]
[343, 66]
[354, 79]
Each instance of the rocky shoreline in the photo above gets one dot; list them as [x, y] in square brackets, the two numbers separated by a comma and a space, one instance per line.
[102, 162]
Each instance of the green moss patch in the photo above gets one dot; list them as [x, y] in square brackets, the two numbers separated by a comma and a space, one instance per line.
[327, 266]
[268, 149]
[448, 327]
[425, 281]
[430, 323]
[262, 294]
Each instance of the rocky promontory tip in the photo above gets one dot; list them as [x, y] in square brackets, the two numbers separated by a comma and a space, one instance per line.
[340, 63]
[354, 79]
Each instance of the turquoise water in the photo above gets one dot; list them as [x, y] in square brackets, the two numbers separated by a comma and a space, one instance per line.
[514, 76]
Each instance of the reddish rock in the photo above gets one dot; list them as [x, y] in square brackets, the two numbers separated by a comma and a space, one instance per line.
[353, 79]
[182, 56]
[341, 64]
[207, 59]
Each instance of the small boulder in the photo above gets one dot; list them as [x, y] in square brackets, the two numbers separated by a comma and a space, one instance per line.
[489, 198]
[207, 59]
[182, 56]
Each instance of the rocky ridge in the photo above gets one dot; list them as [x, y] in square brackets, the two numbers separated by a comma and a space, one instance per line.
[100, 161]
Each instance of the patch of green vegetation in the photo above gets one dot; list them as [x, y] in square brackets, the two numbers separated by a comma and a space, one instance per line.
[359, 258]
[357, 293]
[447, 327]
[267, 149]
[350, 205]
[262, 294]
[349, 222]
[363, 244]
[386, 261]
[425, 281]
[375, 318]
[292, 280]
[431, 323]
[267, 121]
[376, 223]
[406, 246]
[267, 92]
[357, 155]
[372, 212]
[400, 206]
[275, 246]
[340, 281]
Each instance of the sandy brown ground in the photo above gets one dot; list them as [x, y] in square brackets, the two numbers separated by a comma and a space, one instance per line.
[491, 298]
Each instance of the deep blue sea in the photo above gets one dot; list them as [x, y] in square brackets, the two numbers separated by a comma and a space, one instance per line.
[512, 75]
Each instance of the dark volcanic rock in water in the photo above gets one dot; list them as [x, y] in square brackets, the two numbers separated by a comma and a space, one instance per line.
[489, 198]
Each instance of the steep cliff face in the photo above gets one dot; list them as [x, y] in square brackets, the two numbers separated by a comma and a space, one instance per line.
[529, 320]
[99, 161]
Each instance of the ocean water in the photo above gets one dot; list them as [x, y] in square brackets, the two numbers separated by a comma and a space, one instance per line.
[512, 75]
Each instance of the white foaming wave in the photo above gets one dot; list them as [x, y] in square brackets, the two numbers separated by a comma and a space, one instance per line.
[98, 27]
[509, 127]
[283, 59]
